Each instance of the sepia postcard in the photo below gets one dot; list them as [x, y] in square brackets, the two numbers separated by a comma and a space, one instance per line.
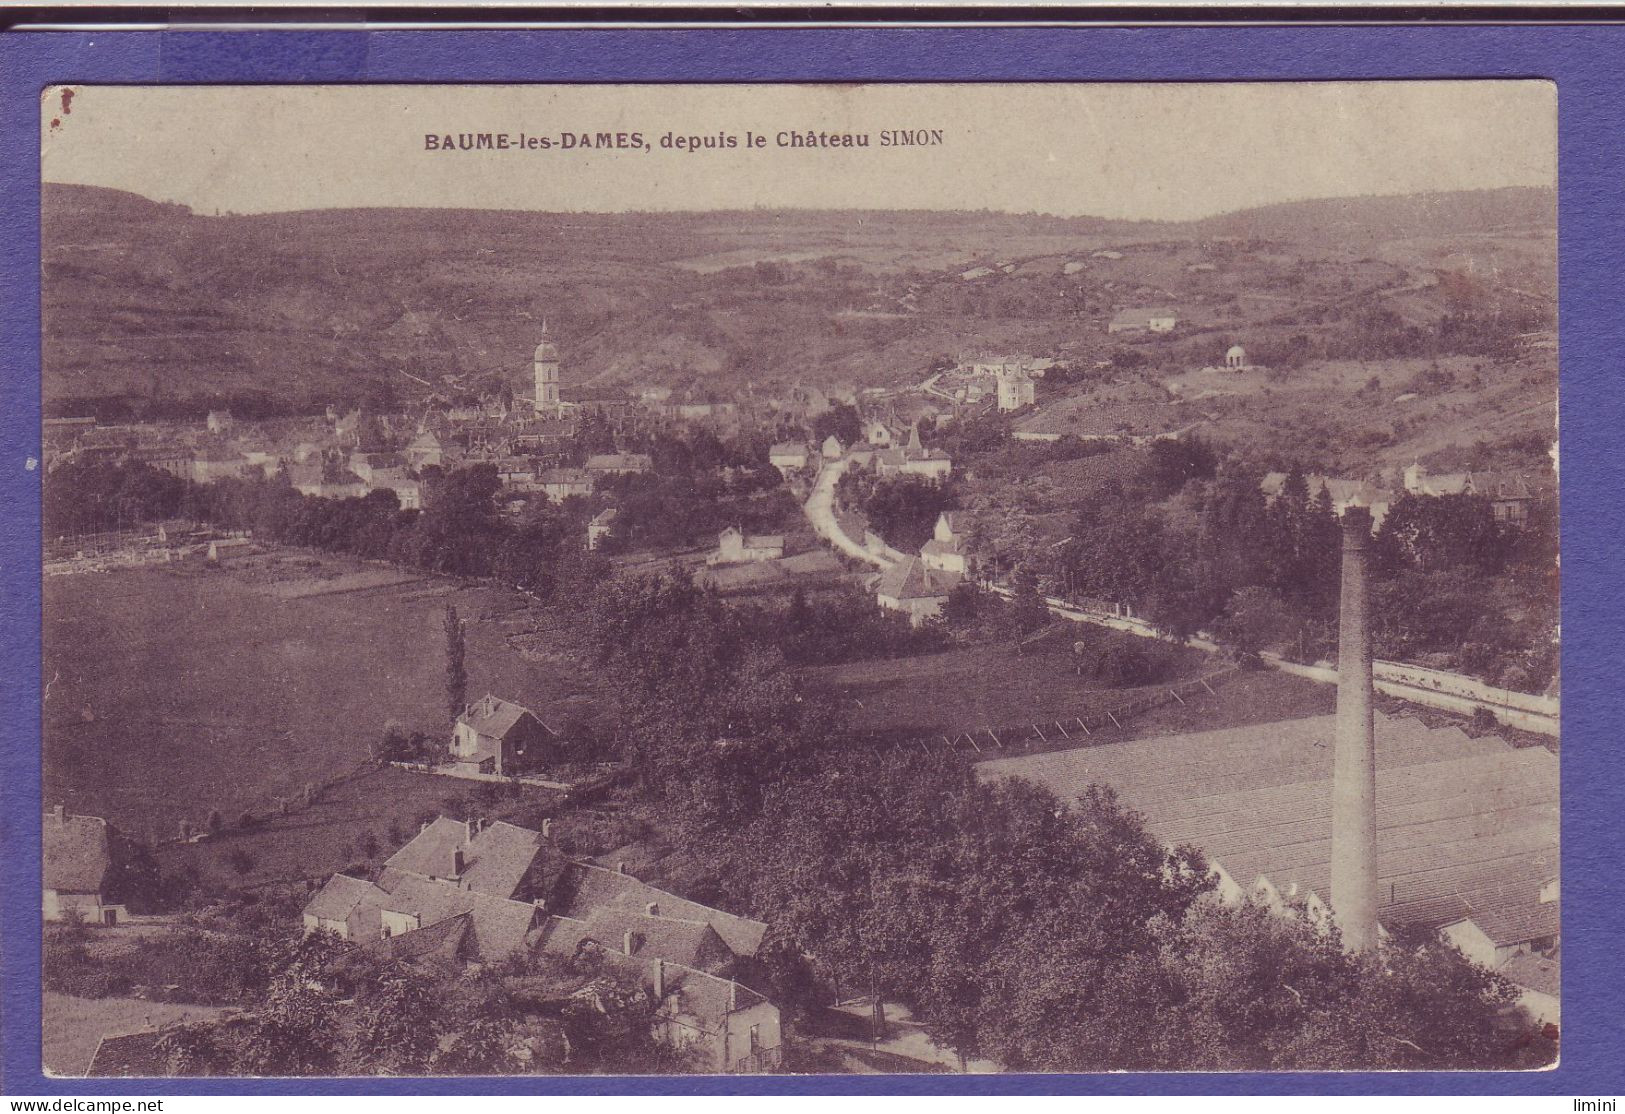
[799, 579]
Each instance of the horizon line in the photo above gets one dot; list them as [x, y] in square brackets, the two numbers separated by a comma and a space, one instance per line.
[1022, 213]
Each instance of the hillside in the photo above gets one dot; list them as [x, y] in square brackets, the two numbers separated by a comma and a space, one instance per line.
[161, 308]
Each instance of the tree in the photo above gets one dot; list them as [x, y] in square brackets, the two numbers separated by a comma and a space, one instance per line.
[1028, 610]
[456, 674]
[396, 1027]
[1255, 619]
[842, 420]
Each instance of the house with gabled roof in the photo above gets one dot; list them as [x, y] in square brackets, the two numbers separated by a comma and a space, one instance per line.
[788, 456]
[1154, 319]
[917, 590]
[945, 550]
[619, 464]
[735, 547]
[480, 875]
[584, 887]
[496, 736]
[689, 957]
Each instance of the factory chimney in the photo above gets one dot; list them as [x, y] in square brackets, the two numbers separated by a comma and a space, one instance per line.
[1354, 777]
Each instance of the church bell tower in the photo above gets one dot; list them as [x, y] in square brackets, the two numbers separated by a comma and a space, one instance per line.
[547, 375]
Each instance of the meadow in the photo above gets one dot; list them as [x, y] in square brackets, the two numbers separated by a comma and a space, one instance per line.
[170, 692]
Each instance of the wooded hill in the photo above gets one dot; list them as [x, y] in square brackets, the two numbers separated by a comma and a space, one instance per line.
[160, 306]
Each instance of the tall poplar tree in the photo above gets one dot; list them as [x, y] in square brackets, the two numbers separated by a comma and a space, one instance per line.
[456, 674]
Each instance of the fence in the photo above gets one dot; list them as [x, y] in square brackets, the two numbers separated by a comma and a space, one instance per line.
[1077, 730]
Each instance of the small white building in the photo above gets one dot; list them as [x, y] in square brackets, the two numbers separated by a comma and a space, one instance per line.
[945, 552]
[788, 457]
[832, 448]
[1236, 358]
[223, 548]
[1143, 320]
[735, 547]
[602, 525]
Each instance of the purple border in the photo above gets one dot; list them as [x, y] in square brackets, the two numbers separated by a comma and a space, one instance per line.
[1585, 63]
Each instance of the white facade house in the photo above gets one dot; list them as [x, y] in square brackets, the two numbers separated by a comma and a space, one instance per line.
[1015, 390]
[735, 547]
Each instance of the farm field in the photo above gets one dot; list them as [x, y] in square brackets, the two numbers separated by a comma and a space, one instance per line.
[173, 691]
[358, 821]
[980, 686]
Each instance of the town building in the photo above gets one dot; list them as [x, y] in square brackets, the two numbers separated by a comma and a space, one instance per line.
[832, 448]
[1142, 320]
[378, 469]
[610, 403]
[495, 736]
[735, 547]
[1342, 493]
[559, 484]
[1016, 390]
[78, 868]
[1510, 494]
[788, 457]
[425, 450]
[219, 421]
[214, 463]
[913, 459]
[619, 464]
[915, 589]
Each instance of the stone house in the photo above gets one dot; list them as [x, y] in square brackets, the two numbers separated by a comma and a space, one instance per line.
[788, 457]
[945, 551]
[481, 873]
[496, 736]
[911, 587]
[734, 547]
[693, 961]
[559, 484]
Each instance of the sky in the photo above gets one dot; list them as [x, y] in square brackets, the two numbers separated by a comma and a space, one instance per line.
[1129, 151]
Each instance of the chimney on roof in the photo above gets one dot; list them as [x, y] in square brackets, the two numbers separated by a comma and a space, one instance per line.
[733, 995]
[630, 941]
[652, 909]
[547, 827]
[1354, 776]
[660, 979]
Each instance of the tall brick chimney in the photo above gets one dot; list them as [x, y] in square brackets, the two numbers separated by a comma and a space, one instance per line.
[1354, 777]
